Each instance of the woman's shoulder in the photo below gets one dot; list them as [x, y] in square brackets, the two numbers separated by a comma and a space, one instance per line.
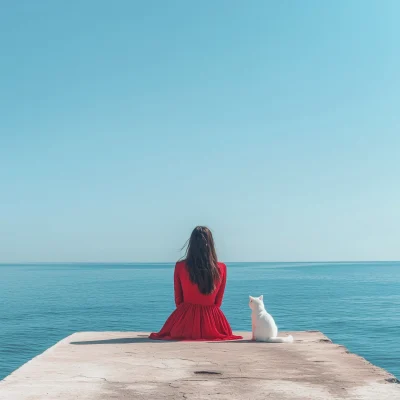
[222, 266]
[180, 264]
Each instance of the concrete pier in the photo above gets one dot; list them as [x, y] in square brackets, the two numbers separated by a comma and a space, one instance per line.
[123, 365]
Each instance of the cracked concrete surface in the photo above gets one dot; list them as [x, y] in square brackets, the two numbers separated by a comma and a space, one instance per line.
[126, 365]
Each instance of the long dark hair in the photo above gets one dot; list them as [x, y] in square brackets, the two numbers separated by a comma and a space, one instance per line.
[201, 260]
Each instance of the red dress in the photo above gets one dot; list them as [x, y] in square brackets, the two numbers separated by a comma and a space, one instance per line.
[197, 316]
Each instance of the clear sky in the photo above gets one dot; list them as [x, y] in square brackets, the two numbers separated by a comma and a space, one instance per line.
[123, 124]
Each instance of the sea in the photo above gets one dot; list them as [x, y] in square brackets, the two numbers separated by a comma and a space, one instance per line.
[355, 304]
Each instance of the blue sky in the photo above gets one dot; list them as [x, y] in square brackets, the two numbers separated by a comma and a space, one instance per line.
[124, 124]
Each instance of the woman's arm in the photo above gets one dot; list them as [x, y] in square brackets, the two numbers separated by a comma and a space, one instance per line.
[221, 290]
[178, 292]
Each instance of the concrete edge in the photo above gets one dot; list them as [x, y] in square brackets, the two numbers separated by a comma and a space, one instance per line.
[39, 356]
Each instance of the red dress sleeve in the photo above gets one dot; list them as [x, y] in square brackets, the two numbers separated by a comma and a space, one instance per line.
[221, 290]
[178, 292]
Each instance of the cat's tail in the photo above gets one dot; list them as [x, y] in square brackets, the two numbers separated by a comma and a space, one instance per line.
[286, 339]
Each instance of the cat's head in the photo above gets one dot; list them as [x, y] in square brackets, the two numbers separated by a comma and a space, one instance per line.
[256, 302]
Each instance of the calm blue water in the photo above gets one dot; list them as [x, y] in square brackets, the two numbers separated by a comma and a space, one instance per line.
[357, 305]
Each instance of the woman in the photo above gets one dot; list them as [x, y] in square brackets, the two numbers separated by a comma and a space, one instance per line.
[199, 284]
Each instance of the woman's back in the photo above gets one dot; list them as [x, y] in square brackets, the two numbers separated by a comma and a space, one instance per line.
[188, 292]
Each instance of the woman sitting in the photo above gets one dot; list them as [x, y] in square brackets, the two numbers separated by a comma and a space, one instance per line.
[199, 284]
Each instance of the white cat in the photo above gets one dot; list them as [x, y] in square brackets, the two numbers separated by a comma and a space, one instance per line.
[263, 325]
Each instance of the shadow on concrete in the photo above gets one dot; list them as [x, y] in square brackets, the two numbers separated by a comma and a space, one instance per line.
[240, 341]
[246, 341]
[122, 341]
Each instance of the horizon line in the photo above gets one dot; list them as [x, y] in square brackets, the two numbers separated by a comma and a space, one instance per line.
[174, 262]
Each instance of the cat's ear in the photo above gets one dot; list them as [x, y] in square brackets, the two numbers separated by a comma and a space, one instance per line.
[251, 298]
[261, 297]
